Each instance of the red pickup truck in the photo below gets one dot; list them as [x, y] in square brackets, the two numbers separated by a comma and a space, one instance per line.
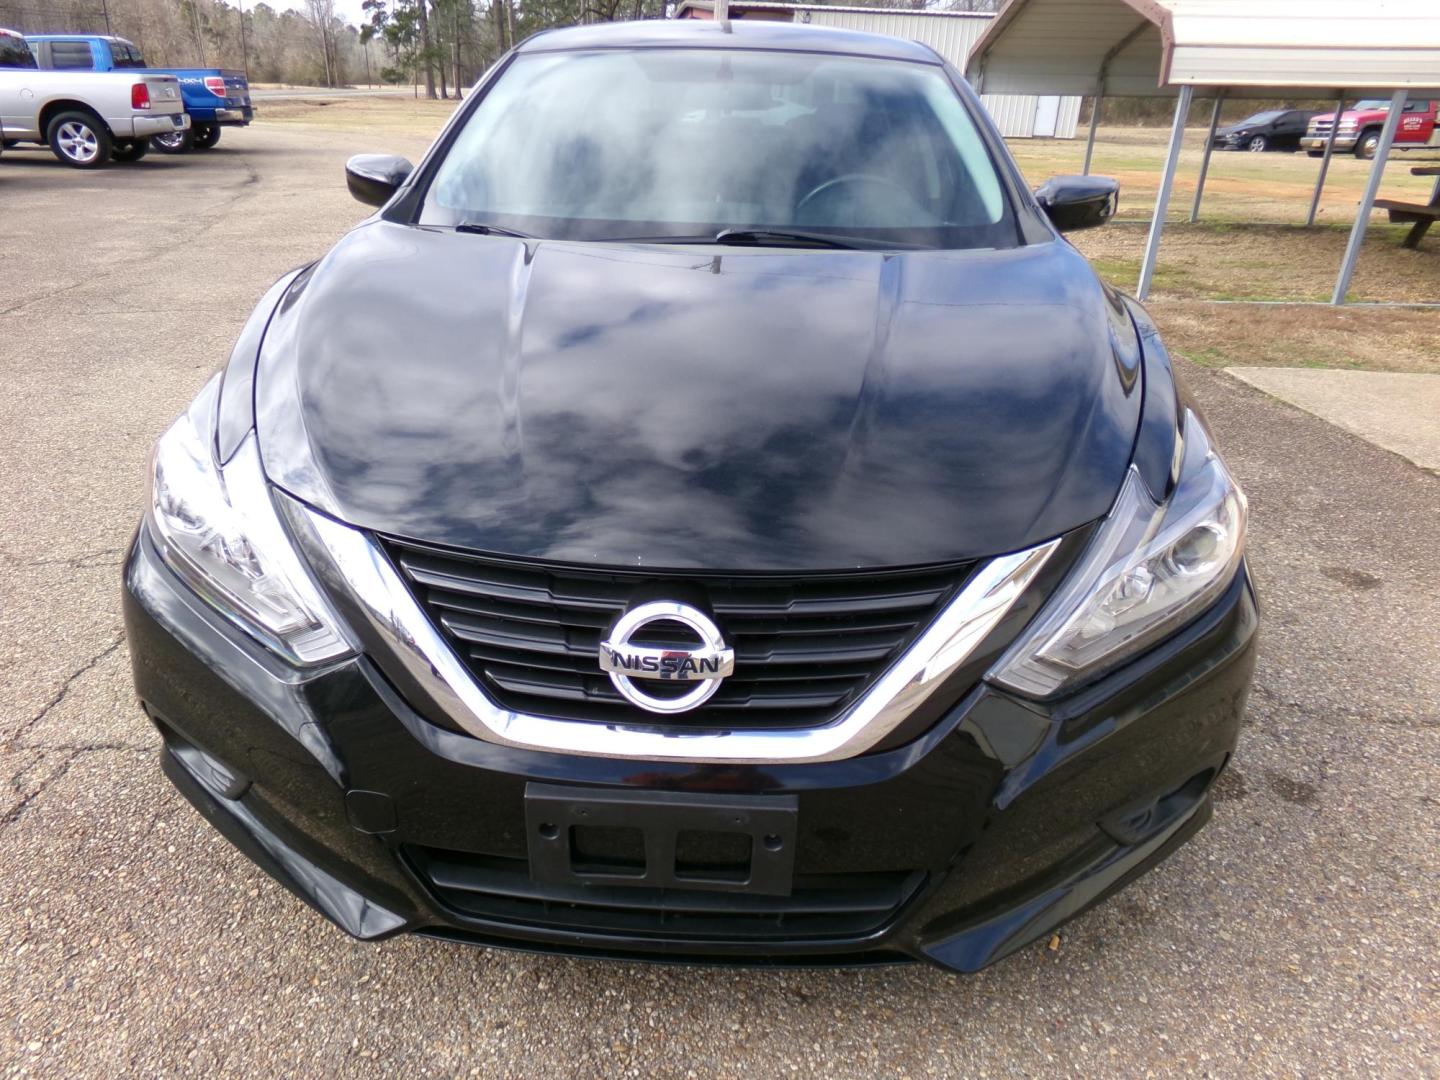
[1360, 128]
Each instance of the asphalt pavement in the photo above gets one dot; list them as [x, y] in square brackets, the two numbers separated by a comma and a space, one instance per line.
[1296, 936]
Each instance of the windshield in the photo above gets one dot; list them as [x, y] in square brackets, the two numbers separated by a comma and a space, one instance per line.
[1371, 106]
[684, 143]
[14, 53]
[1260, 118]
[125, 55]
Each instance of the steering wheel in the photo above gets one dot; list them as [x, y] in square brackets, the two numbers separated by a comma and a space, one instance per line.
[847, 179]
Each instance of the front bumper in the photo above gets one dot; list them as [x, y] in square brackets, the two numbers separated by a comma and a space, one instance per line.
[1003, 821]
[1317, 142]
[142, 127]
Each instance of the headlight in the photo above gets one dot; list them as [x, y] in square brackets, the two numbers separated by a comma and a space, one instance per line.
[1149, 568]
[219, 531]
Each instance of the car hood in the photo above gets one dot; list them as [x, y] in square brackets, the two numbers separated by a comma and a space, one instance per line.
[699, 407]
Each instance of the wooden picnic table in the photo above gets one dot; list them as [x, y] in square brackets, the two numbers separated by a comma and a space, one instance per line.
[1419, 216]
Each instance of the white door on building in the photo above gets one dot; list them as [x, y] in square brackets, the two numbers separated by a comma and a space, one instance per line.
[1047, 115]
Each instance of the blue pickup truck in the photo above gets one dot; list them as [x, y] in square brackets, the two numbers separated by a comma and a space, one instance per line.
[214, 98]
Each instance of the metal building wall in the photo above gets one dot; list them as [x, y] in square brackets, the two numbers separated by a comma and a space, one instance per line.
[1069, 117]
[951, 36]
[1014, 114]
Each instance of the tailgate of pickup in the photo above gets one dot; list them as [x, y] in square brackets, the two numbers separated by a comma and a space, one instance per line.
[164, 94]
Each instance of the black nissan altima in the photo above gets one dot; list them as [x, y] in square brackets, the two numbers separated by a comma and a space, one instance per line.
[708, 514]
[1277, 129]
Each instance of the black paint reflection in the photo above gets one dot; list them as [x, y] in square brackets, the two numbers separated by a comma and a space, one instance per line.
[636, 407]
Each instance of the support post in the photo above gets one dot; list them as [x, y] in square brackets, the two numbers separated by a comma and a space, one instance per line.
[1367, 201]
[1094, 122]
[1205, 161]
[1325, 161]
[1162, 197]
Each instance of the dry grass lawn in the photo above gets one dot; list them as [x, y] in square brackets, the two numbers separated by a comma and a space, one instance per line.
[1274, 187]
[1248, 246]
[1250, 243]
[1231, 335]
[376, 116]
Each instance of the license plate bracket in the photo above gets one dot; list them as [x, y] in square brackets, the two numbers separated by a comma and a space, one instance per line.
[680, 840]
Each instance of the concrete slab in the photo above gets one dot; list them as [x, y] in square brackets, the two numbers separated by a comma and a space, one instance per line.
[1394, 410]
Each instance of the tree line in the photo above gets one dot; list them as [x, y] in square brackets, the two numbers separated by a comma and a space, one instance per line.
[438, 46]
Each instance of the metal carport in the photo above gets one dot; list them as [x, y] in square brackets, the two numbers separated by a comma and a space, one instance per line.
[1330, 49]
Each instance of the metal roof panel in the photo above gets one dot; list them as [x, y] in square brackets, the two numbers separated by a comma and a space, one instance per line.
[1251, 47]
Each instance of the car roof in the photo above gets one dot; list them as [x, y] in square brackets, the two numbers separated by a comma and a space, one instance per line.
[735, 34]
[110, 38]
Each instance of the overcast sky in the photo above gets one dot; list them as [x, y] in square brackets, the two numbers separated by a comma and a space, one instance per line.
[349, 10]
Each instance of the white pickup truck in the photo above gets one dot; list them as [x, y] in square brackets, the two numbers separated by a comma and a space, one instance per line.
[87, 118]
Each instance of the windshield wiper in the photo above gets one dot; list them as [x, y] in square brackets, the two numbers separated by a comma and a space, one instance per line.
[762, 236]
[757, 237]
[482, 229]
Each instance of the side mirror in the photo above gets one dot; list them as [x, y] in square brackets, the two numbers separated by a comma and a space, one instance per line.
[1079, 202]
[373, 178]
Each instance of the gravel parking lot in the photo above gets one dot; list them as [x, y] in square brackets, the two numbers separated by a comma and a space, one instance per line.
[1297, 935]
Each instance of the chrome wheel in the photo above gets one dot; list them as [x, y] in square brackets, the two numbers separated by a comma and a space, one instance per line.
[1257, 144]
[171, 141]
[78, 142]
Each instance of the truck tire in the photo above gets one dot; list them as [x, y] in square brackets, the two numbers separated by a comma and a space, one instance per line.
[1367, 145]
[128, 150]
[172, 142]
[79, 140]
[204, 136]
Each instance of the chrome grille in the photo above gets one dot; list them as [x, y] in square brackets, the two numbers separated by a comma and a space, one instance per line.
[805, 647]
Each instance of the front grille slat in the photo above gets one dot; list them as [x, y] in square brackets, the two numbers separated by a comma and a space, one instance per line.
[488, 607]
[806, 646]
[487, 655]
[516, 636]
[599, 618]
[576, 686]
[845, 607]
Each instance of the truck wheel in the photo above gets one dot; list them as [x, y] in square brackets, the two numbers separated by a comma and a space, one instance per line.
[205, 136]
[171, 142]
[128, 150]
[80, 140]
[1314, 153]
[1367, 146]
[1257, 144]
